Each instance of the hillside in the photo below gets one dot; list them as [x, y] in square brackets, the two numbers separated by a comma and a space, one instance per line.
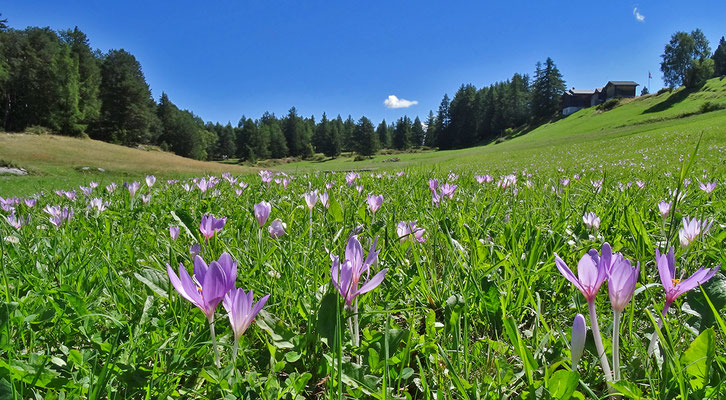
[59, 161]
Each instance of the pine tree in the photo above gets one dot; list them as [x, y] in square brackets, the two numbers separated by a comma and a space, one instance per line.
[417, 133]
[430, 139]
[127, 109]
[719, 58]
[384, 135]
[547, 90]
[89, 72]
[402, 134]
[366, 138]
[442, 124]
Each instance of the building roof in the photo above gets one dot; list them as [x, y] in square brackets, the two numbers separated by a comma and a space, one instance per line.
[622, 83]
[581, 91]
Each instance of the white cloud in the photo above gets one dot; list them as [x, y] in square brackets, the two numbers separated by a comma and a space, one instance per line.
[394, 102]
[640, 17]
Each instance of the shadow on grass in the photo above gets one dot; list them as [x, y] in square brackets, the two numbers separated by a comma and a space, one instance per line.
[673, 99]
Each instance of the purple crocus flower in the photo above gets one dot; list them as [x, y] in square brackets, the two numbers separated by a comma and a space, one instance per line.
[132, 187]
[266, 176]
[621, 283]
[347, 276]
[205, 290]
[150, 180]
[146, 198]
[407, 230]
[329, 185]
[483, 179]
[87, 191]
[30, 203]
[433, 184]
[374, 202]
[592, 273]
[277, 228]
[448, 190]
[242, 310]
[708, 187]
[324, 199]
[174, 232]
[204, 185]
[111, 187]
[351, 177]
[311, 198]
[17, 222]
[640, 184]
[591, 220]
[93, 184]
[211, 225]
[262, 212]
[577, 345]
[98, 204]
[675, 287]
[195, 249]
[691, 229]
[664, 207]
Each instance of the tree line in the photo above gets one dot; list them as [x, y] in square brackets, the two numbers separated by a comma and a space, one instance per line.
[687, 60]
[54, 79]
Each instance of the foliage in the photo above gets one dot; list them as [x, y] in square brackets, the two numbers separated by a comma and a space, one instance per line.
[680, 53]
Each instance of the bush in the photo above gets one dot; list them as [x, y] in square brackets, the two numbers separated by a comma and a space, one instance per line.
[609, 104]
[708, 107]
[664, 90]
[37, 130]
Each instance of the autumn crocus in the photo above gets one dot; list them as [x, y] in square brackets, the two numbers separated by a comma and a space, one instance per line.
[211, 225]
[592, 272]
[17, 222]
[262, 212]
[591, 221]
[241, 311]
[708, 187]
[433, 184]
[673, 286]
[132, 187]
[448, 190]
[577, 344]
[407, 230]
[150, 180]
[691, 229]
[207, 288]
[346, 276]
[174, 232]
[664, 208]
[374, 202]
[311, 198]
[276, 228]
[621, 285]
[325, 199]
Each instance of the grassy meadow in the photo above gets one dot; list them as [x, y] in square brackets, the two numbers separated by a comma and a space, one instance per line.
[471, 305]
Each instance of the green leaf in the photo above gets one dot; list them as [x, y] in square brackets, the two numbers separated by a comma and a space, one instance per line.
[698, 358]
[562, 384]
[326, 318]
[336, 211]
[151, 279]
[628, 389]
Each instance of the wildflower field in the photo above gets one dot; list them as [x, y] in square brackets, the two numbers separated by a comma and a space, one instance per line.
[565, 275]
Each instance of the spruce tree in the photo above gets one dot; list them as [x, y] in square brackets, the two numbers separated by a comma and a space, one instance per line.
[366, 138]
[402, 134]
[719, 58]
[442, 124]
[430, 139]
[384, 135]
[547, 90]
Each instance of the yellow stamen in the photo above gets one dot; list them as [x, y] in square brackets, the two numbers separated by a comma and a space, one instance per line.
[676, 281]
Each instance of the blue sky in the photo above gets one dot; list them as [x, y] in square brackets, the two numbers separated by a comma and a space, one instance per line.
[229, 58]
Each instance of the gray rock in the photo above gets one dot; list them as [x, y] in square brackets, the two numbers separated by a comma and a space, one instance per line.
[12, 171]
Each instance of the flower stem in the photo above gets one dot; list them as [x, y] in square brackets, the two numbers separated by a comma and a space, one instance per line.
[598, 341]
[616, 345]
[214, 344]
[235, 347]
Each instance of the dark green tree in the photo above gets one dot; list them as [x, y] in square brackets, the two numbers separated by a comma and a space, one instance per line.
[679, 56]
[348, 134]
[462, 114]
[384, 135]
[417, 133]
[430, 139]
[89, 75]
[442, 125]
[402, 134]
[719, 58]
[366, 138]
[296, 135]
[127, 109]
[547, 90]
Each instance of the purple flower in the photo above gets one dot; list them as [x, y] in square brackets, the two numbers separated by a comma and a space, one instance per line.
[266, 176]
[590, 270]
[195, 249]
[708, 187]
[174, 232]
[579, 333]
[407, 230]
[324, 199]
[621, 283]
[351, 177]
[204, 185]
[87, 191]
[311, 198]
[640, 184]
[145, 198]
[435, 198]
[374, 202]
[591, 221]
[241, 310]
[277, 228]
[483, 178]
[132, 187]
[675, 287]
[30, 203]
[448, 190]
[664, 208]
[211, 225]
[98, 204]
[206, 289]
[17, 222]
[329, 185]
[347, 276]
[565, 181]
[433, 184]
[262, 212]
[150, 180]
[691, 229]
[111, 188]
[58, 215]
[93, 184]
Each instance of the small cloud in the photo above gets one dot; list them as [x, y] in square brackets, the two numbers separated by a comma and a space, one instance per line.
[640, 17]
[394, 102]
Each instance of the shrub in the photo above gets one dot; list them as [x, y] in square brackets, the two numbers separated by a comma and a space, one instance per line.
[664, 90]
[708, 107]
[37, 130]
[609, 104]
